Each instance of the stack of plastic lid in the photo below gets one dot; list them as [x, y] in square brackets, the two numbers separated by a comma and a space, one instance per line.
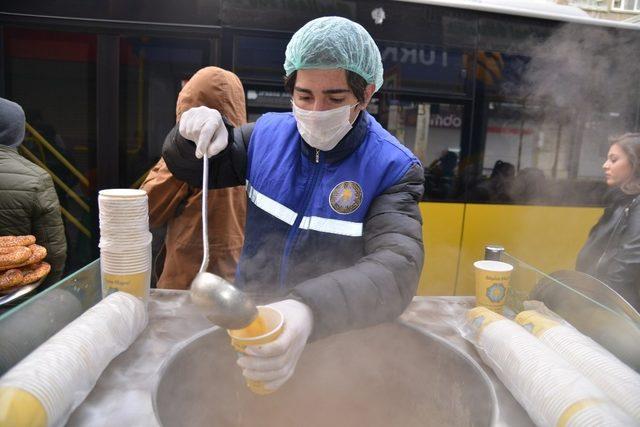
[125, 241]
[46, 386]
[619, 382]
[552, 391]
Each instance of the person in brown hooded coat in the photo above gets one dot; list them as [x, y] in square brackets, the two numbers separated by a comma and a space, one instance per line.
[177, 205]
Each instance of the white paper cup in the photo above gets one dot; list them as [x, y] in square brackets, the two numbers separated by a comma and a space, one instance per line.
[122, 193]
[492, 284]
[125, 230]
[122, 248]
[120, 220]
[108, 208]
[120, 262]
[134, 283]
[124, 244]
[133, 256]
[127, 237]
[122, 211]
[123, 265]
[113, 266]
[123, 205]
[117, 226]
[126, 271]
[126, 261]
[133, 219]
[110, 201]
[111, 207]
[124, 219]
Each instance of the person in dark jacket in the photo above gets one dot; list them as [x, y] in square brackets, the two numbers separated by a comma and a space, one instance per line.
[333, 224]
[28, 199]
[612, 251]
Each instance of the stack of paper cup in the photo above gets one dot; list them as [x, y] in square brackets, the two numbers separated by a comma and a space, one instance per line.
[619, 382]
[552, 392]
[125, 241]
[45, 387]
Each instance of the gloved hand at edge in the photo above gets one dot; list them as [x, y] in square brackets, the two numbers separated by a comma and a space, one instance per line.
[205, 127]
[274, 363]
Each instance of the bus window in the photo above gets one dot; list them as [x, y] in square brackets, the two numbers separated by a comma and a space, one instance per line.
[534, 143]
[433, 131]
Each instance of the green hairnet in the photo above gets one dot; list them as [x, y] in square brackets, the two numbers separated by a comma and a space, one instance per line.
[334, 42]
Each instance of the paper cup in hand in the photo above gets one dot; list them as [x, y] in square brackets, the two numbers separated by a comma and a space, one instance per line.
[492, 284]
[266, 328]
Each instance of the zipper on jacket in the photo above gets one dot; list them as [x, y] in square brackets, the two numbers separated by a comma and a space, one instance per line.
[295, 228]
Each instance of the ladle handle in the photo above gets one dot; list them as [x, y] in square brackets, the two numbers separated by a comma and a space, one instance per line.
[205, 213]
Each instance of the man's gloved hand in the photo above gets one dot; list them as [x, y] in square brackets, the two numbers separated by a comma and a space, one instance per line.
[205, 127]
[275, 362]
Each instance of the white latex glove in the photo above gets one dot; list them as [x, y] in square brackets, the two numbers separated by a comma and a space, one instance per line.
[275, 362]
[205, 127]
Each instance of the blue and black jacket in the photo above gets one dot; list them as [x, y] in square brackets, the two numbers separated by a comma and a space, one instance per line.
[338, 230]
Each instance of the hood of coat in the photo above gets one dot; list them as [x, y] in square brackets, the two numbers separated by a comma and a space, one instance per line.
[216, 88]
[12, 123]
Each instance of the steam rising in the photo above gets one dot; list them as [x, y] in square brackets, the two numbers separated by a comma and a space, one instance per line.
[587, 68]
[579, 87]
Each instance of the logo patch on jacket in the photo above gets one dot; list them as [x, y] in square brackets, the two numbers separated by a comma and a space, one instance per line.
[346, 197]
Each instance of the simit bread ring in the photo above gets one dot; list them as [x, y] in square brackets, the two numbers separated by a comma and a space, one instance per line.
[10, 278]
[38, 253]
[11, 256]
[6, 241]
[35, 272]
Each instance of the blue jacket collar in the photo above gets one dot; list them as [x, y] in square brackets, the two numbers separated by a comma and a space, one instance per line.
[347, 145]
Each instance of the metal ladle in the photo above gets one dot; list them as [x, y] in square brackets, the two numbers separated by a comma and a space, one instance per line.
[229, 307]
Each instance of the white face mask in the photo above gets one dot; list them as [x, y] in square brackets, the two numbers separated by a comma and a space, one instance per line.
[323, 129]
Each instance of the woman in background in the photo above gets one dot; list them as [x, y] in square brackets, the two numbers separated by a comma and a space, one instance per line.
[177, 205]
[612, 251]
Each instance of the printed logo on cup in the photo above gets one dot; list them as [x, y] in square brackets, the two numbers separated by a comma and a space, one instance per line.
[496, 292]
